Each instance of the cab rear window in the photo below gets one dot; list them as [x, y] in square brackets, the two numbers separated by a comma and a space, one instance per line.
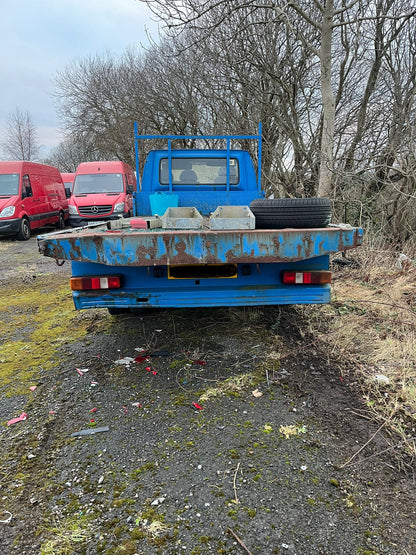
[199, 171]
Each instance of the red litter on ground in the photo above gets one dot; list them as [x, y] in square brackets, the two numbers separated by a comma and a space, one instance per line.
[200, 362]
[20, 418]
[141, 359]
[93, 410]
[196, 406]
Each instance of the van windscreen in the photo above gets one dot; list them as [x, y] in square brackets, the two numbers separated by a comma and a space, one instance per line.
[9, 184]
[98, 183]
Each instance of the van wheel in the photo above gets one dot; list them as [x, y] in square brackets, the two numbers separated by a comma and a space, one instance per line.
[24, 231]
[61, 222]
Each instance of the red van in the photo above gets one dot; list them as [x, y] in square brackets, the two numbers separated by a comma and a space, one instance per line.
[31, 195]
[68, 179]
[101, 191]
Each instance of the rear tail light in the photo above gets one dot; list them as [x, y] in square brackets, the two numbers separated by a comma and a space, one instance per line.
[88, 283]
[303, 278]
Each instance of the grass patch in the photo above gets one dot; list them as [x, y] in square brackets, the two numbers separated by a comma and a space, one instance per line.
[234, 386]
[38, 318]
[68, 536]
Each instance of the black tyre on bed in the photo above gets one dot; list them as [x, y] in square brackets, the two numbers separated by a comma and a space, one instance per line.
[291, 212]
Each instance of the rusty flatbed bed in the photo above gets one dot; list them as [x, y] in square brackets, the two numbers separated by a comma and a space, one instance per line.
[152, 247]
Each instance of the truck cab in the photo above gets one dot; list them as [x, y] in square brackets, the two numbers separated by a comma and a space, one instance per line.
[201, 178]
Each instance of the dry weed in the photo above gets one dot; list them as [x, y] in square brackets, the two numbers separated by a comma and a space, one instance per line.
[371, 324]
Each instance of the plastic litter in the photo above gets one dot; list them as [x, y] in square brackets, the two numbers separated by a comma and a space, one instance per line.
[158, 501]
[125, 360]
[141, 358]
[196, 406]
[257, 393]
[33, 387]
[381, 378]
[20, 418]
[8, 519]
[93, 410]
[200, 362]
[91, 432]
[404, 262]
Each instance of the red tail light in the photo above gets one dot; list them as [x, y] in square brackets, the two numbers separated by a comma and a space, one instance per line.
[88, 283]
[302, 278]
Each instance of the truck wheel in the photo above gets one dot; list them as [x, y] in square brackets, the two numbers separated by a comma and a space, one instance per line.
[116, 311]
[24, 231]
[61, 222]
[291, 212]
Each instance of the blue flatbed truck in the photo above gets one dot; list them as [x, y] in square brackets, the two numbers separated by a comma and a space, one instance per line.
[275, 252]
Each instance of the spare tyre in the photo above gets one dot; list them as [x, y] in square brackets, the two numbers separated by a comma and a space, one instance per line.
[291, 212]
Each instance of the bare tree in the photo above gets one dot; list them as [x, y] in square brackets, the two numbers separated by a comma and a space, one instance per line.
[21, 140]
[94, 96]
[70, 153]
[325, 17]
[237, 63]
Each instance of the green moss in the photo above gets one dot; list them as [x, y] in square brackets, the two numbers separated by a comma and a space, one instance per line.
[147, 467]
[234, 454]
[43, 313]
[178, 364]
[120, 502]
[137, 534]
[126, 548]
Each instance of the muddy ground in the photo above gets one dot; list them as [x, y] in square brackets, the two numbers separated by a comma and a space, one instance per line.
[233, 436]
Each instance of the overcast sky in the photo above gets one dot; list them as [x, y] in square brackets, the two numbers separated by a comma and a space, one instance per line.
[40, 37]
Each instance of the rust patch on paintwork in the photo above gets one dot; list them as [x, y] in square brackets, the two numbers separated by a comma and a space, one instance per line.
[182, 257]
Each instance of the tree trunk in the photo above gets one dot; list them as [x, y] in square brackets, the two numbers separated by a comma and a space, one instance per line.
[328, 103]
